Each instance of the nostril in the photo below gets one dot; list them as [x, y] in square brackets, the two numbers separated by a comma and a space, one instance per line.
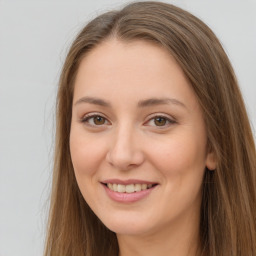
[124, 157]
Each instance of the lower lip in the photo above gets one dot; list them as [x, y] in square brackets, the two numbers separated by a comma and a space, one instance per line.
[128, 197]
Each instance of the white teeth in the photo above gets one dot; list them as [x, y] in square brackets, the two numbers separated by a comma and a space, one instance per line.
[110, 186]
[130, 188]
[114, 187]
[137, 187]
[120, 188]
[144, 186]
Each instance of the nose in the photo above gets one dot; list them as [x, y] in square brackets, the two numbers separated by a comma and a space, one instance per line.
[125, 151]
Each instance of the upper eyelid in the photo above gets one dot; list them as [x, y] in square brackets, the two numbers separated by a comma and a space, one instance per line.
[170, 121]
[151, 116]
[93, 114]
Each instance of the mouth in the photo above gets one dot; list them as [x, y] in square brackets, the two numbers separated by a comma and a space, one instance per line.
[129, 188]
[128, 191]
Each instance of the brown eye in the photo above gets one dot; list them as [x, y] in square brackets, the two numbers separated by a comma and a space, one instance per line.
[99, 120]
[160, 121]
[95, 120]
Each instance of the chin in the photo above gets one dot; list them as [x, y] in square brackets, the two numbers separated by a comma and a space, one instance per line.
[127, 230]
[128, 226]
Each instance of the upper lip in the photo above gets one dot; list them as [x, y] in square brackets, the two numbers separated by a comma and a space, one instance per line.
[127, 182]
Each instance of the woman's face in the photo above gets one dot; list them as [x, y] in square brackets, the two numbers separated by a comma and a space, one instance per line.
[138, 139]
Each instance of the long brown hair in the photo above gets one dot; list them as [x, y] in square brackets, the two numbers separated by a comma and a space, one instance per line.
[228, 212]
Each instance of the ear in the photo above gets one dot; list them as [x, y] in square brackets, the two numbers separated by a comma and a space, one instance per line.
[211, 161]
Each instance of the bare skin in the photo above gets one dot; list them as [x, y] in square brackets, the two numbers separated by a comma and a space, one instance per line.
[137, 120]
[179, 240]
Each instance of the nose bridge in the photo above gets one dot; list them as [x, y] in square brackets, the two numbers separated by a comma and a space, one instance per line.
[124, 151]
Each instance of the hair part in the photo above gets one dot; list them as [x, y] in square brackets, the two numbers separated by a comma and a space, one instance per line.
[228, 221]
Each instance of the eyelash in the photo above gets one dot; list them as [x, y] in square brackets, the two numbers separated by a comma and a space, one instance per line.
[89, 117]
[168, 121]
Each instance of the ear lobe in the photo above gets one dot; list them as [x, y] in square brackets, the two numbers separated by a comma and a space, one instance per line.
[211, 161]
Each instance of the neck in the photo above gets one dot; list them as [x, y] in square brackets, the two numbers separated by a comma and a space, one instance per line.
[179, 239]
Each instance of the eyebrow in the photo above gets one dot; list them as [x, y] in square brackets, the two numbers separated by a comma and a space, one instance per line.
[95, 101]
[160, 101]
[142, 103]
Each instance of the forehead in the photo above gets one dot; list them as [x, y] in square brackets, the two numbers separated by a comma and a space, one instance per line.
[119, 54]
[131, 70]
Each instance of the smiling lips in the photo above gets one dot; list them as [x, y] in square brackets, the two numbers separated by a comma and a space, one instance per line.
[130, 188]
[128, 191]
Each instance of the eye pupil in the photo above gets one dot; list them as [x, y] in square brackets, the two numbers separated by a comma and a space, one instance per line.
[160, 121]
[98, 120]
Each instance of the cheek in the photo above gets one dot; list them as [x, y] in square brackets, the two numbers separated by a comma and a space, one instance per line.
[180, 158]
[86, 156]
[86, 152]
[181, 163]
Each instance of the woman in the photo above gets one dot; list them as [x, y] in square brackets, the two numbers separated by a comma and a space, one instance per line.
[154, 151]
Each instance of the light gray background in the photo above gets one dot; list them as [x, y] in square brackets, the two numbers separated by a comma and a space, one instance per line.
[34, 38]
